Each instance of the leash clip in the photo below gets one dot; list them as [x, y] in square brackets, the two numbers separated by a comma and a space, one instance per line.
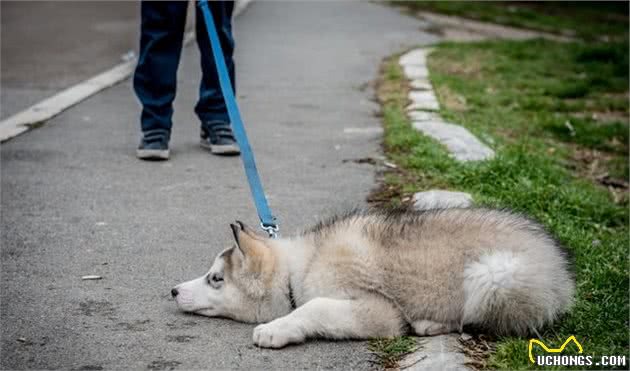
[272, 230]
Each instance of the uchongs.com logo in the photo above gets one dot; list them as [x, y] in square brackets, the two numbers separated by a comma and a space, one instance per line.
[553, 356]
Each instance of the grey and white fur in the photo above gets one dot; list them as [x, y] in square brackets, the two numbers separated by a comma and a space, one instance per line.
[377, 274]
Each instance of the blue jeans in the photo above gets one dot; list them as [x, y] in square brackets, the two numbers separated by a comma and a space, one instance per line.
[155, 78]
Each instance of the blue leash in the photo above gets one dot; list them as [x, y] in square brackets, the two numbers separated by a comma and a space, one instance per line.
[267, 220]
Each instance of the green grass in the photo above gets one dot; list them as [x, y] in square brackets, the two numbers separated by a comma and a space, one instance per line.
[389, 351]
[518, 96]
[588, 19]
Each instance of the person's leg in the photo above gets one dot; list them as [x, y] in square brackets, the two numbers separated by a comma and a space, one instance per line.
[155, 78]
[211, 106]
[211, 110]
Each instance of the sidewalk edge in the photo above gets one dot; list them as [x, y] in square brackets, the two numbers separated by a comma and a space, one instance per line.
[37, 114]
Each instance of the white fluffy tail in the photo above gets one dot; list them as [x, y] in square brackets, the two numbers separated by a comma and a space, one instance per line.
[514, 293]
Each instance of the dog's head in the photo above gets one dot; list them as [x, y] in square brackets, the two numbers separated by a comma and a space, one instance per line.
[240, 283]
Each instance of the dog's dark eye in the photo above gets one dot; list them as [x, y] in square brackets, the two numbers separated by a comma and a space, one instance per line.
[214, 278]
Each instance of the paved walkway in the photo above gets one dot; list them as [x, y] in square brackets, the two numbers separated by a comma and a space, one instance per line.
[75, 201]
[47, 46]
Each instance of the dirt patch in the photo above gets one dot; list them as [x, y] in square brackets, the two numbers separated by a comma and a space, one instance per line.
[392, 194]
[451, 100]
[594, 165]
[390, 92]
[478, 349]
[471, 68]
[383, 195]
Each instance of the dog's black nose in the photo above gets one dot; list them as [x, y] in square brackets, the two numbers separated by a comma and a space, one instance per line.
[174, 292]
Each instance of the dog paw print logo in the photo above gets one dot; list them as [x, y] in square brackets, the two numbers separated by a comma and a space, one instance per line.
[552, 350]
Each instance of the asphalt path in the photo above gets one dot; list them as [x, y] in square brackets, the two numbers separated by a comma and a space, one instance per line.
[46, 46]
[75, 200]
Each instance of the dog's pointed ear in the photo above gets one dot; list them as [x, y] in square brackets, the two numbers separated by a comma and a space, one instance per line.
[254, 233]
[246, 242]
[236, 230]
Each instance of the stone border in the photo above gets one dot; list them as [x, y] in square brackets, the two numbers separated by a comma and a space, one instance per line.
[438, 352]
[462, 144]
[466, 29]
[440, 199]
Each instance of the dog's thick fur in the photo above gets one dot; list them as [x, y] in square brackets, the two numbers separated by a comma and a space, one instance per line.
[374, 274]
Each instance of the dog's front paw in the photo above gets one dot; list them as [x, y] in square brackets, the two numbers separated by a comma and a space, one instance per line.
[277, 334]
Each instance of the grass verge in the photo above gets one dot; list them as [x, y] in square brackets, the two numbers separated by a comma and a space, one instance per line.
[389, 351]
[589, 20]
[557, 116]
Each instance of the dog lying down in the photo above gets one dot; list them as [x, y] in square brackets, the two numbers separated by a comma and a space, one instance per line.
[379, 274]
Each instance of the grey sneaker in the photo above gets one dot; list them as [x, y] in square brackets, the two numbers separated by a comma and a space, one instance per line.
[153, 147]
[218, 138]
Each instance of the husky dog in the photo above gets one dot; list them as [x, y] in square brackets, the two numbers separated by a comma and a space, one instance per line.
[379, 274]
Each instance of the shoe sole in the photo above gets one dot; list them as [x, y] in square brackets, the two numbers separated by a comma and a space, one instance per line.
[153, 154]
[224, 149]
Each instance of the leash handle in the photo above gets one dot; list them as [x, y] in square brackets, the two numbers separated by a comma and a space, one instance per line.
[267, 220]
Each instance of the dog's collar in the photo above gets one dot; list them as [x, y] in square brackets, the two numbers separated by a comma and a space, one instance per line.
[290, 295]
